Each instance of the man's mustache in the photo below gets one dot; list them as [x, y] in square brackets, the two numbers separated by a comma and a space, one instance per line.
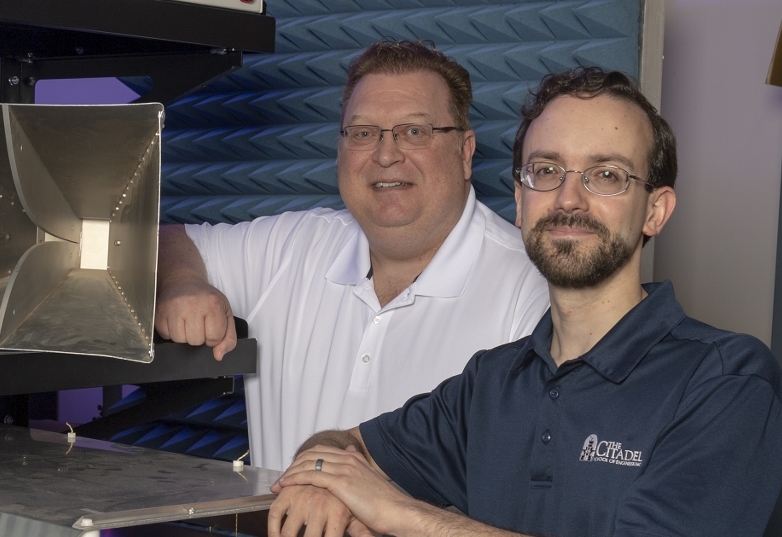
[578, 220]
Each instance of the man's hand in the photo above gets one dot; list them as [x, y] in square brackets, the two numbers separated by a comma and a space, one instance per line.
[194, 312]
[351, 494]
[356, 487]
[317, 509]
[189, 310]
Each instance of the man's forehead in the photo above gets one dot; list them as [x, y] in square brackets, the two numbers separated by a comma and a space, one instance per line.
[596, 126]
[412, 96]
[604, 107]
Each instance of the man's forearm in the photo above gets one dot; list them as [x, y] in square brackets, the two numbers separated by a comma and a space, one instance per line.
[424, 519]
[188, 308]
[177, 256]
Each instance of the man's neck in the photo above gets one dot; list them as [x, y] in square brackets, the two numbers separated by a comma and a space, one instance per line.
[581, 317]
[391, 276]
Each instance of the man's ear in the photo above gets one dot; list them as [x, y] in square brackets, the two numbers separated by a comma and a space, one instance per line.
[659, 209]
[468, 149]
[517, 194]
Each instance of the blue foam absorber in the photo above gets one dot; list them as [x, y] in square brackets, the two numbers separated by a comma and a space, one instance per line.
[271, 127]
[263, 139]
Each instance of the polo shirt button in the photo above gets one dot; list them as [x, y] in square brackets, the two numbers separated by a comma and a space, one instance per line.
[554, 393]
[365, 358]
[546, 438]
[376, 320]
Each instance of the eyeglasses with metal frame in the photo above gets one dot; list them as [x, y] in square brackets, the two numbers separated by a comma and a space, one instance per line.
[406, 135]
[603, 180]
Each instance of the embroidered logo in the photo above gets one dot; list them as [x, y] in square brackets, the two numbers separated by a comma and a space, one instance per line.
[595, 450]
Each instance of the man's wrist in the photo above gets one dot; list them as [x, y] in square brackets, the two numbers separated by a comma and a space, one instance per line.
[333, 438]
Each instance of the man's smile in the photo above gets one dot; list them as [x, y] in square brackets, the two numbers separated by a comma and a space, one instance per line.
[390, 184]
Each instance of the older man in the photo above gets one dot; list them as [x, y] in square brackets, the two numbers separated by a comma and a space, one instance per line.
[618, 416]
[355, 311]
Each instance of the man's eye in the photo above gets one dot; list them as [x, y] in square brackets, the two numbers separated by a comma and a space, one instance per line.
[546, 171]
[606, 176]
[362, 134]
[413, 131]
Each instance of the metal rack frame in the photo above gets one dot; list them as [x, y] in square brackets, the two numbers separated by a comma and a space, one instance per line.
[180, 46]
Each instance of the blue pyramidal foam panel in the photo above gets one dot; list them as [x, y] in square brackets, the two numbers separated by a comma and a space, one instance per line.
[262, 140]
[253, 141]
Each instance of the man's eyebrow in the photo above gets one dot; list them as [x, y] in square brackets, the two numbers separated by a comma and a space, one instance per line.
[358, 119]
[613, 158]
[601, 158]
[544, 155]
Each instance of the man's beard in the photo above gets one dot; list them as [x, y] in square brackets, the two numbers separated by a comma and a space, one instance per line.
[565, 264]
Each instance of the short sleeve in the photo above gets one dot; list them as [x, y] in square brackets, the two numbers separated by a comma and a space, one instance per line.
[242, 259]
[716, 470]
[422, 446]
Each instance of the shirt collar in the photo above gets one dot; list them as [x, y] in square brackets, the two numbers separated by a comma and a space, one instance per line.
[351, 265]
[626, 344]
[447, 272]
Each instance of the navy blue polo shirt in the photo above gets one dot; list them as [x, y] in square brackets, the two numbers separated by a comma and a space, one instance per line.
[667, 426]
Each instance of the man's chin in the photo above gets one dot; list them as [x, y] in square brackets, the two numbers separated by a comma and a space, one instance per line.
[571, 264]
[389, 221]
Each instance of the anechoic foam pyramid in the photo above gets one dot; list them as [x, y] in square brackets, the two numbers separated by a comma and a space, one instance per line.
[262, 140]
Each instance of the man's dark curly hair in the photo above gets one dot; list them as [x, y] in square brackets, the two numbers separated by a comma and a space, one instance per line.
[589, 82]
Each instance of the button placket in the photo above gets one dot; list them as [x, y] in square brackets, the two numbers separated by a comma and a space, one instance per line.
[553, 394]
[549, 416]
[368, 352]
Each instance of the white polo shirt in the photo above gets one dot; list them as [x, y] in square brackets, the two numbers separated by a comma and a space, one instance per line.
[328, 355]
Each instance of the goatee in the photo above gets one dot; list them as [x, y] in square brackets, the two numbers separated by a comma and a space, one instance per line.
[564, 263]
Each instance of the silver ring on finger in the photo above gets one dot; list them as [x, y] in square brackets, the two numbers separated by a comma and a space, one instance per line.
[319, 465]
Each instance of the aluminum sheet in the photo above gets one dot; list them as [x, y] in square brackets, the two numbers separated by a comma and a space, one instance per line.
[39, 271]
[133, 240]
[94, 485]
[43, 200]
[63, 165]
[91, 151]
[84, 314]
[17, 232]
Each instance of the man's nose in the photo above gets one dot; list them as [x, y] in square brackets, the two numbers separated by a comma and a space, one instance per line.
[387, 151]
[572, 195]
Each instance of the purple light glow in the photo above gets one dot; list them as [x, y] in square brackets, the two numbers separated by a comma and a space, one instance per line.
[83, 91]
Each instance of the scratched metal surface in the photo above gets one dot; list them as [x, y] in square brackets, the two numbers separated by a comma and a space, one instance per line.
[65, 164]
[40, 270]
[85, 314]
[46, 479]
[17, 232]
[43, 200]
